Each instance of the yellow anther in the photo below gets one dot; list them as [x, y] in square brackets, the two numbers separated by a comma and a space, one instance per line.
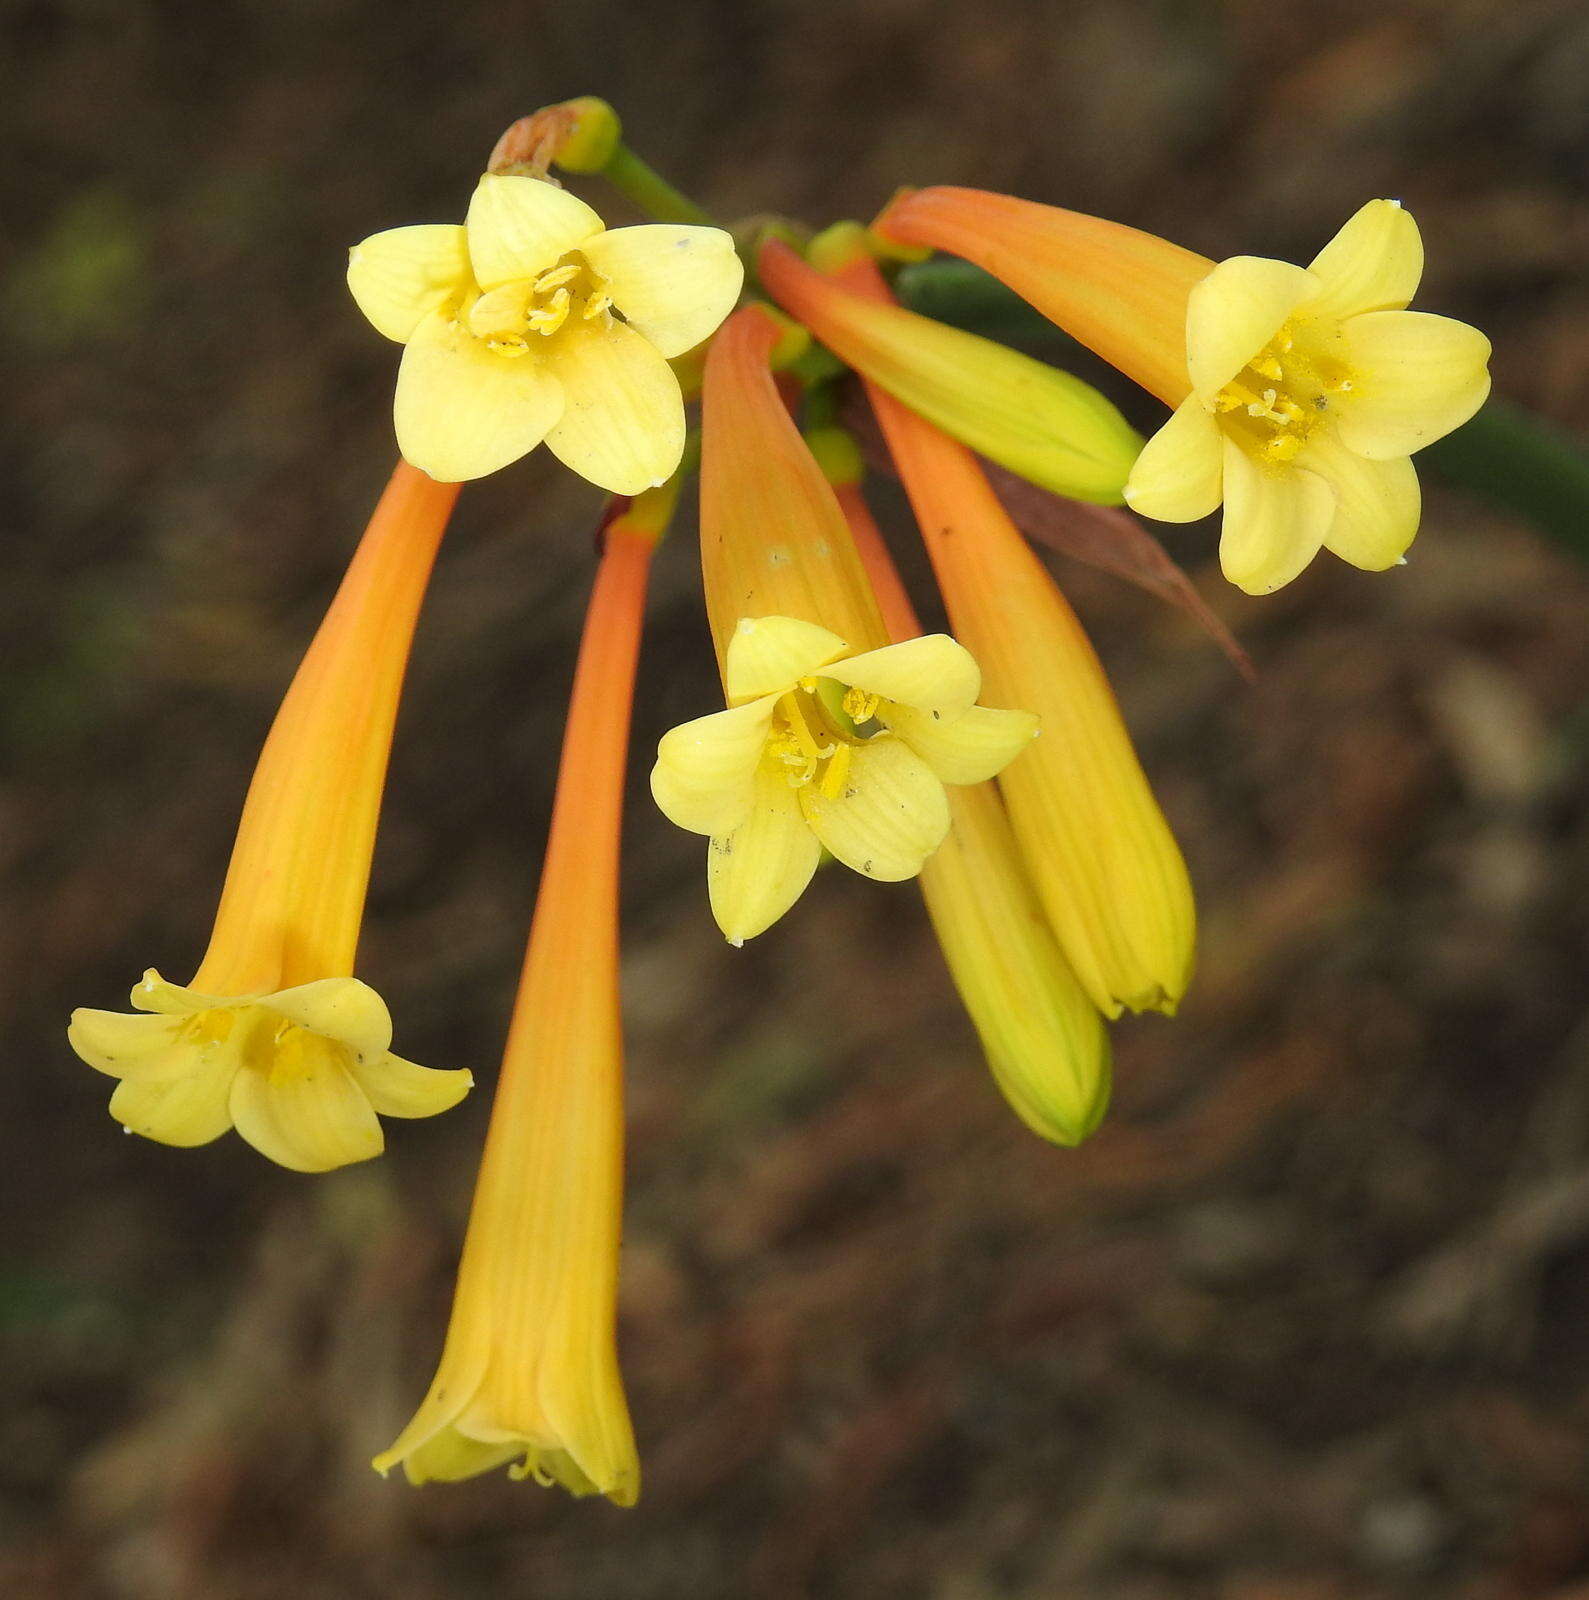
[838, 772]
[596, 305]
[549, 318]
[859, 706]
[1283, 447]
[800, 730]
[1269, 366]
[555, 279]
[508, 344]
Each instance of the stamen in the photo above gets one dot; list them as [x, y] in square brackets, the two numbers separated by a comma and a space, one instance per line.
[549, 318]
[555, 279]
[833, 780]
[800, 730]
[859, 706]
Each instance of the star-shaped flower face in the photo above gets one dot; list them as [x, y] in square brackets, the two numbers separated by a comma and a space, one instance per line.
[301, 1073]
[820, 748]
[1311, 388]
[533, 321]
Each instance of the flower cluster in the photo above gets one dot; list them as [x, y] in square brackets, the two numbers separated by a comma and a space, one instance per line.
[991, 763]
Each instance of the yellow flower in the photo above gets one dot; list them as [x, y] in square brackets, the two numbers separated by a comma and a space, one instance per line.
[824, 748]
[533, 321]
[1311, 388]
[530, 1369]
[301, 1073]
[1044, 1039]
[275, 1035]
[1300, 392]
[1100, 854]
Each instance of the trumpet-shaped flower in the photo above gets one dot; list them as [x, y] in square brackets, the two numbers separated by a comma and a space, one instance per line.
[824, 748]
[1098, 849]
[1044, 1039]
[301, 1073]
[275, 1036]
[1311, 389]
[1300, 393]
[533, 321]
[529, 1370]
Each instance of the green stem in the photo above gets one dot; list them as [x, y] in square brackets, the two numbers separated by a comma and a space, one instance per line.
[633, 179]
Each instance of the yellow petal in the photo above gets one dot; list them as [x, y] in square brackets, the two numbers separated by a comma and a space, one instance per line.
[1180, 474]
[674, 285]
[184, 1111]
[1234, 312]
[449, 1456]
[891, 815]
[1414, 378]
[758, 871]
[462, 410]
[1045, 1040]
[154, 993]
[705, 774]
[518, 227]
[466, 1355]
[1373, 264]
[968, 748]
[399, 277]
[1377, 503]
[501, 310]
[1276, 518]
[766, 655]
[128, 1046]
[931, 673]
[343, 1009]
[622, 425]
[396, 1087]
[302, 1108]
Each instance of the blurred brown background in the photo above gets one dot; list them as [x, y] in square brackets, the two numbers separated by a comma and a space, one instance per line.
[1306, 1321]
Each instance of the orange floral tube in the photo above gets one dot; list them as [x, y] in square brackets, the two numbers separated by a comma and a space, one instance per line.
[1120, 291]
[274, 1035]
[1043, 1038]
[1103, 860]
[529, 1369]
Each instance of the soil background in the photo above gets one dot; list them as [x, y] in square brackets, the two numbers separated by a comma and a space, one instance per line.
[1307, 1320]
